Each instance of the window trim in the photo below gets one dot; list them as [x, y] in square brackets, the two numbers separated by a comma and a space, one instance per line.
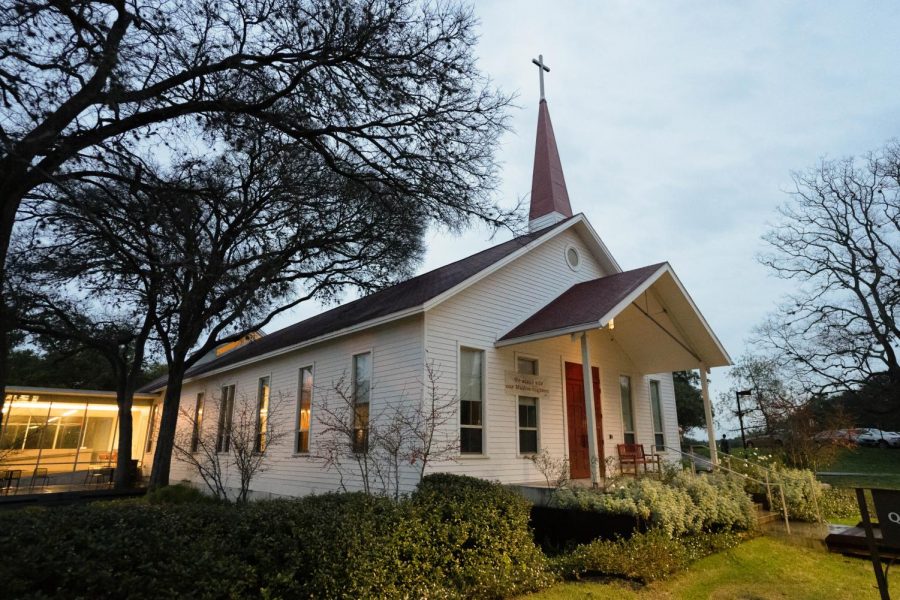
[633, 431]
[223, 443]
[577, 266]
[536, 428]
[659, 409]
[537, 405]
[312, 371]
[256, 440]
[484, 377]
[537, 361]
[353, 356]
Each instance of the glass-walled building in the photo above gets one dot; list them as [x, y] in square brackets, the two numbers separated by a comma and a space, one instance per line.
[69, 432]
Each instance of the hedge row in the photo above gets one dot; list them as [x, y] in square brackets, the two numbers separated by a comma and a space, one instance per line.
[454, 537]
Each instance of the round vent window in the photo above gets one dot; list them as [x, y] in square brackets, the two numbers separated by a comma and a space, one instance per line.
[573, 258]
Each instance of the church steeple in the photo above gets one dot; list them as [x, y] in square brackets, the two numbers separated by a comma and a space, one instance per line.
[549, 197]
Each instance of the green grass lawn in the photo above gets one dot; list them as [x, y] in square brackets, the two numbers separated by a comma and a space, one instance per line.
[761, 569]
[876, 467]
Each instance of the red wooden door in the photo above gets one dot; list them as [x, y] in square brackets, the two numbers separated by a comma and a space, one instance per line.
[579, 458]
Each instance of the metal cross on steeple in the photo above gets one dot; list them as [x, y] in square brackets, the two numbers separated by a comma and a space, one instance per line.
[539, 61]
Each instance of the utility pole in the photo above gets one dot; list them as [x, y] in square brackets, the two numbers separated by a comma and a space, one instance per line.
[740, 414]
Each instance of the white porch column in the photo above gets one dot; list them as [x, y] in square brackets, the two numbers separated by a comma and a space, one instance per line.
[707, 407]
[593, 455]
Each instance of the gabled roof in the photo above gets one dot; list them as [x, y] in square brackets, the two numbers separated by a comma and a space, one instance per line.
[548, 185]
[584, 304]
[406, 297]
[675, 337]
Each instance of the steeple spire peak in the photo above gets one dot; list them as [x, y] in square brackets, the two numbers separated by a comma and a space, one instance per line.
[549, 197]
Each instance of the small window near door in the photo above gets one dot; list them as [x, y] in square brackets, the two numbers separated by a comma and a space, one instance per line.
[627, 409]
[527, 366]
[528, 425]
[659, 438]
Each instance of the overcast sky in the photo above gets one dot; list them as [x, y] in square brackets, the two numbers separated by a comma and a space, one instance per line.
[679, 123]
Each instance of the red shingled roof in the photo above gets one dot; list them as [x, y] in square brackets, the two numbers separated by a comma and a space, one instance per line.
[404, 295]
[583, 303]
[548, 186]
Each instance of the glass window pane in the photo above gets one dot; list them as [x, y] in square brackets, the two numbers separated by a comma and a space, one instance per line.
[627, 409]
[226, 414]
[198, 423]
[470, 378]
[262, 415]
[527, 412]
[361, 393]
[471, 390]
[527, 366]
[361, 384]
[656, 410]
[470, 440]
[528, 441]
[306, 383]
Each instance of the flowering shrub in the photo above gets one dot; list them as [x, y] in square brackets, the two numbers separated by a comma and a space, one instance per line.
[680, 504]
[802, 493]
[839, 503]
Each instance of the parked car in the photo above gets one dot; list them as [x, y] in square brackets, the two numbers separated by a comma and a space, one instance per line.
[878, 438]
[838, 436]
[774, 440]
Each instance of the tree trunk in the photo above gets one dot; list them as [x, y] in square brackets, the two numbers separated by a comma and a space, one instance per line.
[125, 400]
[7, 219]
[165, 442]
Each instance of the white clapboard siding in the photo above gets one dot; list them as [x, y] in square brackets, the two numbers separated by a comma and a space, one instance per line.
[397, 359]
[484, 312]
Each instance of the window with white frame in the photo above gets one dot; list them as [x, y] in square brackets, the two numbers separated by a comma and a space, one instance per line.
[198, 423]
[528, 410]
[304, 403]
[526, 366]
[627, 409]
[362, 386]
[528, 425]
[226, 413]
[471, 401]
[659, 438]
[262, 414]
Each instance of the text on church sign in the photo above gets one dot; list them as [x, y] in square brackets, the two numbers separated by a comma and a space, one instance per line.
[520, 384]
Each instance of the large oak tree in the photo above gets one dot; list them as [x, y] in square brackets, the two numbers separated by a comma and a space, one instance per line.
[384, 92]
[210, 250]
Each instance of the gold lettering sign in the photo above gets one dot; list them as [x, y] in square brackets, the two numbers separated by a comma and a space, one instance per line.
[526, 385]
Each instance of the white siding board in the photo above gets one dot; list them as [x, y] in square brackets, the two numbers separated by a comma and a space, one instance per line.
[397, 354]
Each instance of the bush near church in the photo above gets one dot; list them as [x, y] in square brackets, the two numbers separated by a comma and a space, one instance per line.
[679, 504]
[454, 537]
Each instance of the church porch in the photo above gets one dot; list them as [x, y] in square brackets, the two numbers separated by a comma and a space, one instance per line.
[617, 340]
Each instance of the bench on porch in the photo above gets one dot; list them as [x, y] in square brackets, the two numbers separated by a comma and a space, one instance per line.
[633, 456]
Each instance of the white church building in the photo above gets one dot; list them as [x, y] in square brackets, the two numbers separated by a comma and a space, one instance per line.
[515, 331]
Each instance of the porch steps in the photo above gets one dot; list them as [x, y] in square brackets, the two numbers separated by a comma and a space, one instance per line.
[763, 516]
